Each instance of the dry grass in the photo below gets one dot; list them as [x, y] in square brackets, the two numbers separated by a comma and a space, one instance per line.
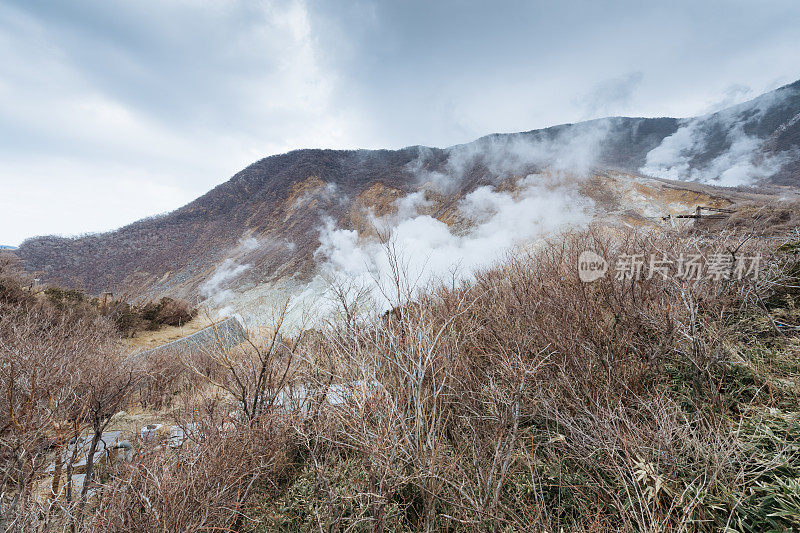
[145, 340]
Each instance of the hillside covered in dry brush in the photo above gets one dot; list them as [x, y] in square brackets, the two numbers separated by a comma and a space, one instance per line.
[521, 400]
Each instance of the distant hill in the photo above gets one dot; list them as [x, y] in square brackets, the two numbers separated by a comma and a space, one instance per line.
[281, 201]
[6, 247]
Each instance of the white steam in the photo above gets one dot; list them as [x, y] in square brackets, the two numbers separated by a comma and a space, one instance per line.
[213, 289]
[574, 149]
[216, 289]
[486, 224]
[326, 193]
[430, 250]
[744, 161]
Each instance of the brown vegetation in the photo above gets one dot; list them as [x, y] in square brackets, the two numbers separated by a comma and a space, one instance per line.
[522, 400]
[16, 287]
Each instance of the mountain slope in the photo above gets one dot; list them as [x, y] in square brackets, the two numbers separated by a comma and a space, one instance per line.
[269, 215]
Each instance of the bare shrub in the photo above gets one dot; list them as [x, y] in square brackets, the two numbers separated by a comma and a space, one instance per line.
[46, 359]
[167, 312]
[15, 287]
[163, 377]
[520, 399]
[206, 484]
[480, 387]
[254, 372]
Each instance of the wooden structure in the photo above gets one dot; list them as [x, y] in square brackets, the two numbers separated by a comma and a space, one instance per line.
[712, 213]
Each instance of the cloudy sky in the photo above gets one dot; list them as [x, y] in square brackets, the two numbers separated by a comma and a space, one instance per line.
[111, 111]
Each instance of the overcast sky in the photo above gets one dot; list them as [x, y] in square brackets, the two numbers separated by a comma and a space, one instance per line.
[112, 111]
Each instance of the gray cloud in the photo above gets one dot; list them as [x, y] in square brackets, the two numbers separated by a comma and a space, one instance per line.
[735, 94]
[112, 110]
[612, 96]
